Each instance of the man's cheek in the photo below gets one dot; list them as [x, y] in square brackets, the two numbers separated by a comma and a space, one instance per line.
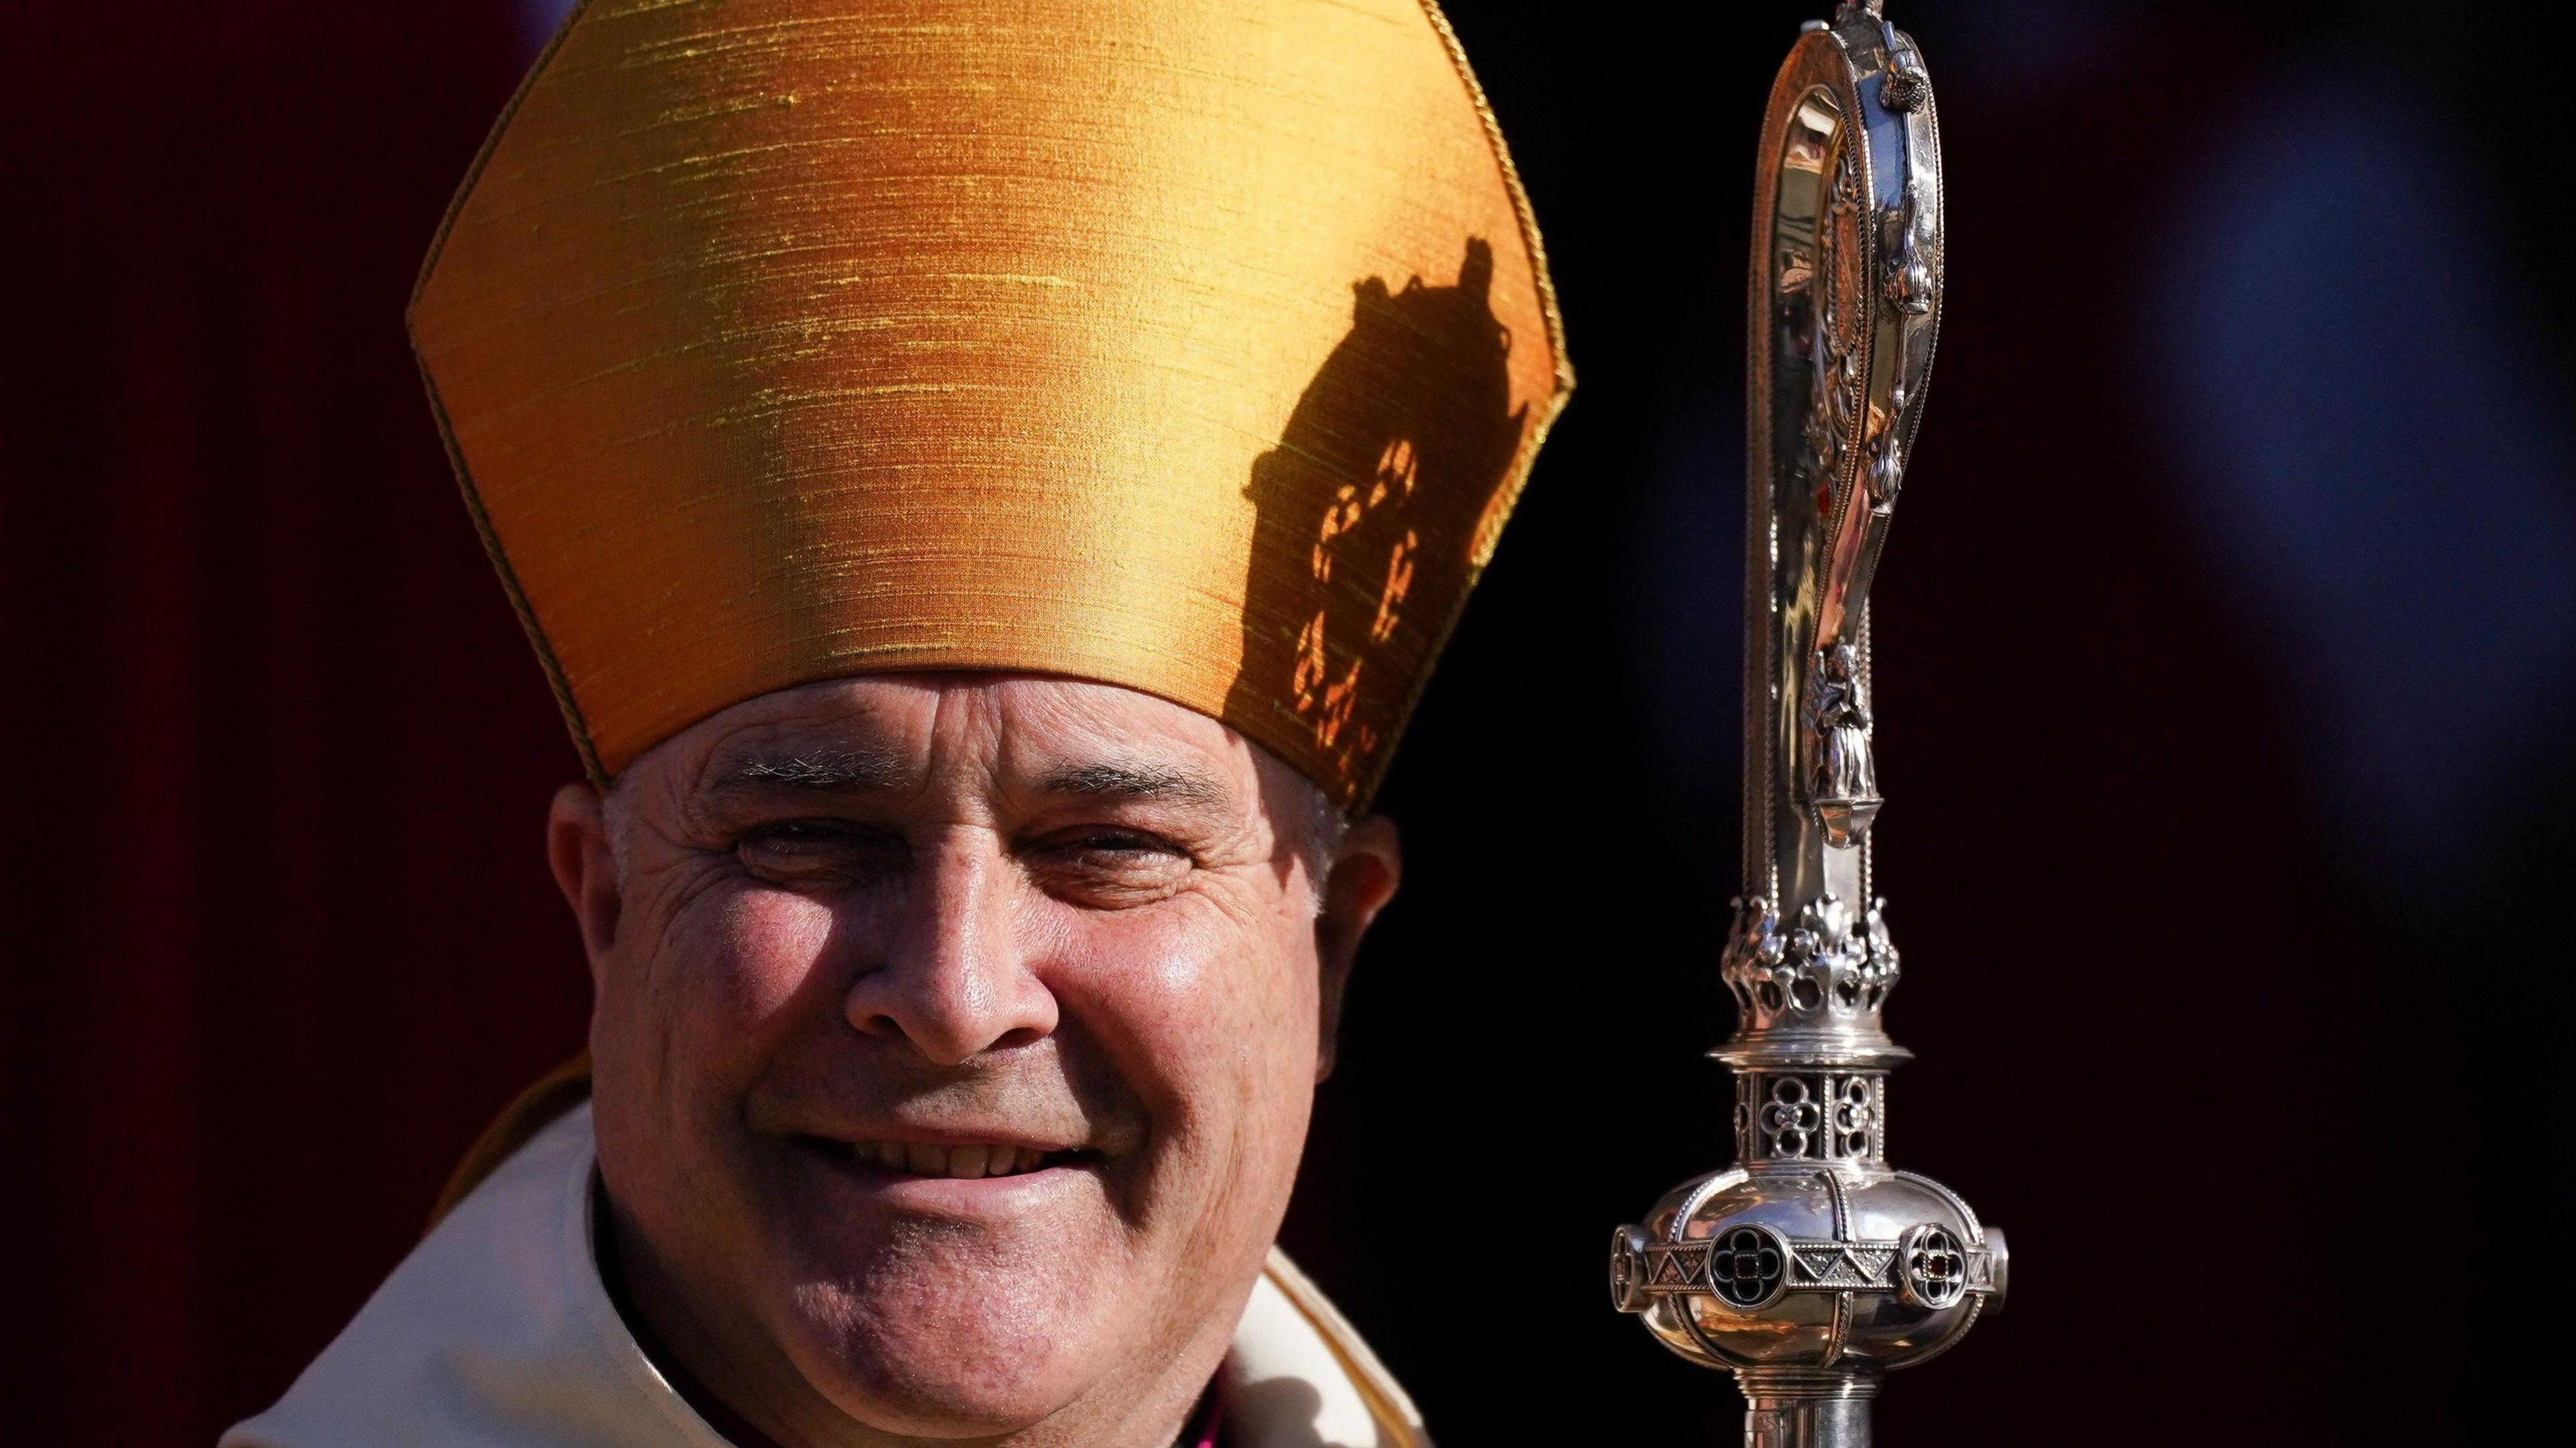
[752, 955]
[1222, 1014]
[1184, 986]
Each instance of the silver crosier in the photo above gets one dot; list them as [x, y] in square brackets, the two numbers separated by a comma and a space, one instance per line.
[1811, 1267]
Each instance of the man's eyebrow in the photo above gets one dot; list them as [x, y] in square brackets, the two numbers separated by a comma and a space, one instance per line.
[823, 771]
[1140, 782]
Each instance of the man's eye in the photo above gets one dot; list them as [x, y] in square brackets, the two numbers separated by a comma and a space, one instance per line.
[1118, 841]
[802, 851]
[1116, 846]
[794, 834]
[1109, 868]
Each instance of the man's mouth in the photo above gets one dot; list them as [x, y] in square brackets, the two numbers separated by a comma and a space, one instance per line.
[969, 1161]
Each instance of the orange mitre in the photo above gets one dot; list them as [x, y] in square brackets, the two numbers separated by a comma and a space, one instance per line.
[1196, 347]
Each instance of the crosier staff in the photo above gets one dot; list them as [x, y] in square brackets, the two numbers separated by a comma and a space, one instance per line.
[1811, 1267]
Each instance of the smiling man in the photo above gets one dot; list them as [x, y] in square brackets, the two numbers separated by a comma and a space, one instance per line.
[955, 1040]
[987, 481]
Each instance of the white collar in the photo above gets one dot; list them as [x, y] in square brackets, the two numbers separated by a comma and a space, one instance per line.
[497, 1333]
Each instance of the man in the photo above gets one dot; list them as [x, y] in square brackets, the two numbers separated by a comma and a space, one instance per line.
[987, 481]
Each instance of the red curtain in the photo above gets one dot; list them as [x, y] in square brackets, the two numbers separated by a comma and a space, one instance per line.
[251, 968]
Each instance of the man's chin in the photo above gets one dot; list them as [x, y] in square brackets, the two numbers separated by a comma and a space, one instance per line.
[945, 1308]
[948, 1360]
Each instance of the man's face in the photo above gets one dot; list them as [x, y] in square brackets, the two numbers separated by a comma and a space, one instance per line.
[954, 1042]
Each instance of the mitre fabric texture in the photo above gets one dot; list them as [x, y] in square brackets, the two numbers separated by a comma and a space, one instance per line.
[498, 1332]
[1193, 346]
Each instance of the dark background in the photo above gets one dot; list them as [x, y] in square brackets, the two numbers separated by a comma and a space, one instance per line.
[2227, 663]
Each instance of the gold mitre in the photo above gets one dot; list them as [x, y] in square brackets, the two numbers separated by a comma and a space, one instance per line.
[1191, 346]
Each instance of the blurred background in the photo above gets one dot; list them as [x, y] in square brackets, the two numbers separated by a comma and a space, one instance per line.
[2227, 669]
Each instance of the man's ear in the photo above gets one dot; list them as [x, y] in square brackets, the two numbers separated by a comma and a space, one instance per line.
[585, 869]
[1364, 874]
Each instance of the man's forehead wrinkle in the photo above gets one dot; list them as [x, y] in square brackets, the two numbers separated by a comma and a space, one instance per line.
[1112, 712]
[1101, 741]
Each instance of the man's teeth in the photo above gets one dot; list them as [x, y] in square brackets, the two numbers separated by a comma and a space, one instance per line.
[965, 1162]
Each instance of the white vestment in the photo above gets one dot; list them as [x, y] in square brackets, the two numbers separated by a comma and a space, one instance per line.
[496, 1332]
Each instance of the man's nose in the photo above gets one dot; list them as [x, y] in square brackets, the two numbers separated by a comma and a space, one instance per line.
[954, 980]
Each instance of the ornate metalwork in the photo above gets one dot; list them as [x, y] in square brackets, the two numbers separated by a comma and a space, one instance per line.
[1821, 283]
[1931, 1267]
[1842, 786]
[1747, 1267]
[1810, 1116]
[1811, 1268]
[1909, 275]
[1750, 1267]
[1827, 976]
